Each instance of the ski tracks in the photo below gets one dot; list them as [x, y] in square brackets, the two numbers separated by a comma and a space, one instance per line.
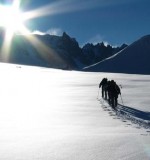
[128, 115]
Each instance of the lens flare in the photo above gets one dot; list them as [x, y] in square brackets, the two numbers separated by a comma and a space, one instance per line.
[14, 22]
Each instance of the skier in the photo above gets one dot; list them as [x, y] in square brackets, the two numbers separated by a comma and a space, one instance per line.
[114, 91]
[103, 84]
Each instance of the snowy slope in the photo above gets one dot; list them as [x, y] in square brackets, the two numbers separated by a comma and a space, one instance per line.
[50, 114]
[24, 53]
[40, 50]
[133, 59]
[34, 51]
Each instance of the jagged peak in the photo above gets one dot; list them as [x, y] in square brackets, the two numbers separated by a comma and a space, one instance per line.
[65, 35]
[123, 46]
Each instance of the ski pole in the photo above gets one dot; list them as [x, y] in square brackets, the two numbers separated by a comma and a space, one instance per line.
[98, 93]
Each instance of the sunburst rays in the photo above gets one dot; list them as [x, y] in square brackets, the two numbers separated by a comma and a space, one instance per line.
[49, 9]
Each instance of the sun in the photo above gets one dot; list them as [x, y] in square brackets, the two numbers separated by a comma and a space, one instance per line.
[11, 23]
[11, 18]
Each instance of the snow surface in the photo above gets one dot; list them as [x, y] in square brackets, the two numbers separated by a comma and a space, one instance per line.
[48, 114]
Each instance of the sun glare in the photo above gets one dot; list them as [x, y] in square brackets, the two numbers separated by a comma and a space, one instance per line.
[11, 18]
[12, 21]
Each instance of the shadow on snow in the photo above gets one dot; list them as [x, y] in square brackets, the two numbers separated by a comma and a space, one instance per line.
[135, 116]
[134, 112]
[141, 118]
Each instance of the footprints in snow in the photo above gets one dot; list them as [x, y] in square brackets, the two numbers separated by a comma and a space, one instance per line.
[125, 118]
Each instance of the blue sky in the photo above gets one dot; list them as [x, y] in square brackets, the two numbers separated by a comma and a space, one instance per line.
[112, 21]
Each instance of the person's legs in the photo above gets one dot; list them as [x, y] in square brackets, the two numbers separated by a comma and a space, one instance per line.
[113, 101]
[105, 94]
[116, 101]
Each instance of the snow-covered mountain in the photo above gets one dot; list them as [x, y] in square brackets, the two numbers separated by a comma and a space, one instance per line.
[39, 50]
[133, 59]
[62, 52]
[96, 53]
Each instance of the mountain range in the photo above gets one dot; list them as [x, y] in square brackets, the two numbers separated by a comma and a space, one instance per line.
[61, 52]
[134, 59]
[64, 52]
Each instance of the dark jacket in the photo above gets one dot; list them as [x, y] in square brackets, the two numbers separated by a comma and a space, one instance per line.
[114, 89]
[103, 82]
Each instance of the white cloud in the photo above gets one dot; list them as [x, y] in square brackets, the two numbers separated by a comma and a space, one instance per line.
[51, 31]
[38, 32]
[55, 31]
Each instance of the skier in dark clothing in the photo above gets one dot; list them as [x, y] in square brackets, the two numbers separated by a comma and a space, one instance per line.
[114, 91]
[103, 84]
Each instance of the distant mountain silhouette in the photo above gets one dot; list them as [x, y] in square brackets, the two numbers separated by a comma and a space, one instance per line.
[98, 52]
[134, 59]
[62, 52]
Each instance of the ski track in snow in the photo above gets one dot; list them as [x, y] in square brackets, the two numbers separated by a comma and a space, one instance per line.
[139, 118]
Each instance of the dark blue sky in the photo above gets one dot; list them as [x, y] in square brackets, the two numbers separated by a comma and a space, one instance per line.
[112, 21]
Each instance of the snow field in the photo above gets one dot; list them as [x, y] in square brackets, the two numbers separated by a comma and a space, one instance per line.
[54, 114]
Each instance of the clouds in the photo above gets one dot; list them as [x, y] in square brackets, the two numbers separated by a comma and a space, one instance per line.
[51, 31]
[38, 32]
[55, 31]
[68, 16]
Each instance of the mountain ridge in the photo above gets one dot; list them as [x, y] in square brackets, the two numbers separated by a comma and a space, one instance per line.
[61, 52]
[134, 59]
